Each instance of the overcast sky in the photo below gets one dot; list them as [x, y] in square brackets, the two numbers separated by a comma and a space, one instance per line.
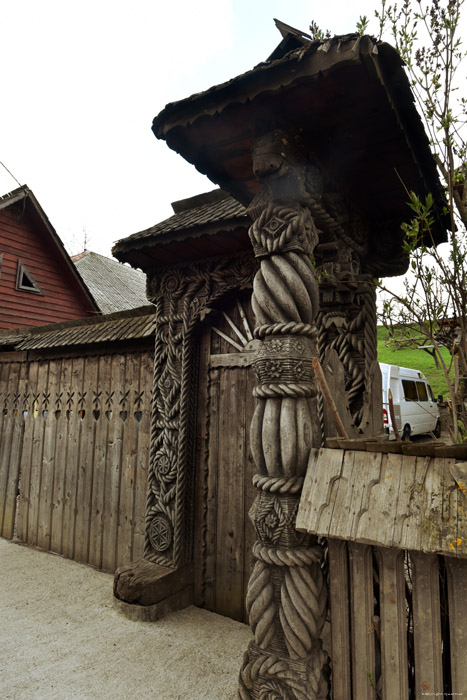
[82, 82]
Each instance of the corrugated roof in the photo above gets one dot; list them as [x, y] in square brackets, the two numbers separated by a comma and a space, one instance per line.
[210, 213]
[114, 286]
[125, 325]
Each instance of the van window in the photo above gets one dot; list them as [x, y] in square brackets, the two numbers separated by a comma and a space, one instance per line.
[430, 393]
[410, 390]
[422, 393]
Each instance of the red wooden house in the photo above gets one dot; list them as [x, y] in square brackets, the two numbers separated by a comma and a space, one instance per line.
[39, 283]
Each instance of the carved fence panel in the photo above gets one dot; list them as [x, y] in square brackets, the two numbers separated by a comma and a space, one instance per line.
[396, 626]
[75, 435]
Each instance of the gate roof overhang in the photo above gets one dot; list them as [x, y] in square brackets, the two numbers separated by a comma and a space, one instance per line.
[348, 98]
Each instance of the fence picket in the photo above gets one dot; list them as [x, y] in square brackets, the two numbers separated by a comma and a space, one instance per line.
[364, 671]
[340, 631]
[427, 624]
[394, 662]
[457, 591]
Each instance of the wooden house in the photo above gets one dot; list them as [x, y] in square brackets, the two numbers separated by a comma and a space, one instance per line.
[38, 282]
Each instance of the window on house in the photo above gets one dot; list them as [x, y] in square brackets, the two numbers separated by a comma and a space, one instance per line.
[25, 282]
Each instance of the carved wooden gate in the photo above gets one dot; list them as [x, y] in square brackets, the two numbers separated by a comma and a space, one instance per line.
[224, 534]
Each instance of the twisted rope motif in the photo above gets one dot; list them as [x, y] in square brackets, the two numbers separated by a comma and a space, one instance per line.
[280, 556]
[303, 608]
[185, 434]
[278, 484]
[260, 605]
[270, 391]
[285, 302]
[285, 290]
[291, 328]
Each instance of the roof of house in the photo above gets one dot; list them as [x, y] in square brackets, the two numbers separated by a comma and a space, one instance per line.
[114, 286]
[209, 224]
[132, 324]
[26, 196]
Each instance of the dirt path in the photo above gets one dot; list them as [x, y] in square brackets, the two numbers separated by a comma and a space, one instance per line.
[62, 639]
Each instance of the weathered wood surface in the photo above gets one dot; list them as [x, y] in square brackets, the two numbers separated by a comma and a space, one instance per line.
[75, 437]
[224, 534]
[427, 624]
[386, 623]
[340, 628]
[415, 503]
[13, 377]
[363, 649]
[457, 590]
[393, 625]
[230, 470]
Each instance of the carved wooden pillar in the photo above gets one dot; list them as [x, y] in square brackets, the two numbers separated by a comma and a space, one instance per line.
[181, 296]
[287, 595]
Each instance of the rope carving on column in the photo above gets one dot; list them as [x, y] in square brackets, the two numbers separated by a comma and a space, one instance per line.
[287, 593]
[180, 295]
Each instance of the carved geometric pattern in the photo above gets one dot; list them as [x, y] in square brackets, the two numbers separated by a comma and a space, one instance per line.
[160, 532]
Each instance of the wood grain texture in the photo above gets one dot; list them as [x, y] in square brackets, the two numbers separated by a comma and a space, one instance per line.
[76, 446]
[63, 297]
[457, 589]
[392, 500]
[340, 628]
[393, 625]
[427, 624]
[363, 647]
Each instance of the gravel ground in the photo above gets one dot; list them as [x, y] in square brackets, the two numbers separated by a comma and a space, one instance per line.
[62, 639]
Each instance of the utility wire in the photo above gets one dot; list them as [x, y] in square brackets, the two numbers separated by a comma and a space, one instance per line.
[10, 173]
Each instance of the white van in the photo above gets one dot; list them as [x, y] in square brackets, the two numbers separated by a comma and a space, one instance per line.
[415, 410]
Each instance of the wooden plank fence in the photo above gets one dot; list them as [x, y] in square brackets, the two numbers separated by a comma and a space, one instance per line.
[74, 451]
[397, 623]
[395, 528]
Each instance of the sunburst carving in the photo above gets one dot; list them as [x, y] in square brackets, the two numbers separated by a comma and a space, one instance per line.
[240, 335]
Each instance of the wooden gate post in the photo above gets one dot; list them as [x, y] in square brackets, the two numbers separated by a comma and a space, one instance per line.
[287, 593]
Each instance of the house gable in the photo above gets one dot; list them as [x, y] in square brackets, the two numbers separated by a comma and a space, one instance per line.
[38, 281]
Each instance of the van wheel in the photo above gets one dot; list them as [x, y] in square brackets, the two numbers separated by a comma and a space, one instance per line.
[437, 430]
[406, 432]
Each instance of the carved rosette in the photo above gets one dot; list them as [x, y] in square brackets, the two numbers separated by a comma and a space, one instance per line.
[287, 594]
[181, 296]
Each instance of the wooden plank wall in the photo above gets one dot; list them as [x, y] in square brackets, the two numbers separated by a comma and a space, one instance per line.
[75, 440]
[390, 626]
[23, 237]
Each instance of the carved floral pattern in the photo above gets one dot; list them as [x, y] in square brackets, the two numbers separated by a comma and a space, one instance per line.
[181, 295]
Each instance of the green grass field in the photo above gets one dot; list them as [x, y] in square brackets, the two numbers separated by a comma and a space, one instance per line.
[415, 359]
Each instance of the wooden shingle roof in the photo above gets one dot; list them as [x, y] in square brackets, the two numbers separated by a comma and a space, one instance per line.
[114, 286]
[122, 326]
[349, 100]
[210, 224]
